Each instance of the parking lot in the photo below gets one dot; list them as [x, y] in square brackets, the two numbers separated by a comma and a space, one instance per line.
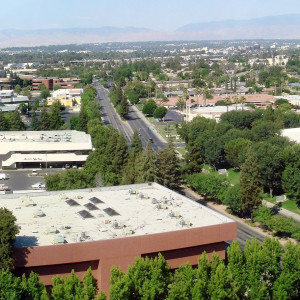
[22, 180]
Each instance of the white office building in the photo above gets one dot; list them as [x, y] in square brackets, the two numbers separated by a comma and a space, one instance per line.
[22, 149]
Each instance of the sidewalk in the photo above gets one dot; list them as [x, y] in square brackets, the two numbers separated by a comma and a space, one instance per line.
[222, 209]
[282, 211]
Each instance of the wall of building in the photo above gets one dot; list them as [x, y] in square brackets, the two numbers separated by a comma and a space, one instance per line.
[178, 247]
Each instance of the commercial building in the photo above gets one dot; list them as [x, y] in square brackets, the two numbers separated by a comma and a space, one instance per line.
[102, 227]
[20, 149]
[67, 97]
[50, 83]
[8, 97]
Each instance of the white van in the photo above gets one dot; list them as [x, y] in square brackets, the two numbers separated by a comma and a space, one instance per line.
[3, 176]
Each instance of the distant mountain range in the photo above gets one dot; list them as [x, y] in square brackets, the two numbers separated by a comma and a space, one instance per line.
[273, 27]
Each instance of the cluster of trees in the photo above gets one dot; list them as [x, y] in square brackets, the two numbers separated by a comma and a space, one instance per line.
[262, 271]
[251, 143]
[150, 109]
[11, 121]
[113, 163]
[19, 288]
[119, 100]
[142, 69]
[274, 76]
[8, 232]
[50, 118]
[281, 225]
[89, 109]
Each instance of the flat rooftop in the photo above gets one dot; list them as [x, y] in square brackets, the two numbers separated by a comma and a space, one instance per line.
[44, 136]
[47, 218]
[44, 140]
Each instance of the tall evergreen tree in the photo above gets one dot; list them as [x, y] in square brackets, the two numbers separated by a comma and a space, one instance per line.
[236, 262]
[8, 232]
[83, 119]
[4, 125]
[55, 119]
[193, 158]
[15, 121]
[136, 143]
[34, 122]
[120, 156]
[124, 107]
[45, 119]
[168, 167]
[250, 183]
[149, 167]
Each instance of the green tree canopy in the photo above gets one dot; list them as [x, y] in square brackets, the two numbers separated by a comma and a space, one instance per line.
[8, 232]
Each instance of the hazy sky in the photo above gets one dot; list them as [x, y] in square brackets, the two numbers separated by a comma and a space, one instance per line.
[154, 14]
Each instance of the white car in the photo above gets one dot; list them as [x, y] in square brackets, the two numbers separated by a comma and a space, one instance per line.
[38, 186]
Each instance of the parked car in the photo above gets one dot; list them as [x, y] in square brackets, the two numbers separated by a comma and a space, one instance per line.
[38, 186]
[3, 176]
[34, 172]
[67, 166]
[4, 187]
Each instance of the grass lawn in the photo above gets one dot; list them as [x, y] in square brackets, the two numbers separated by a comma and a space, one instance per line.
[291, 206]
[181, 150]
[233, 176]
[139, 106]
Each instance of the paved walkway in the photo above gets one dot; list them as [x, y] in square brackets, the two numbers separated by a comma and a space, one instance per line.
[282, 211]
[222, 209]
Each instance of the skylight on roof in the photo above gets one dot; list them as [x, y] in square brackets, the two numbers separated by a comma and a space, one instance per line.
[96, 200]
[111, 212]
[84, 214]
[91, 206]
[72, 202]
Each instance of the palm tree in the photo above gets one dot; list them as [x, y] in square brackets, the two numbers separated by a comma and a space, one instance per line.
[197, 93]
[227, 102]
[242, 100]
[236, 101]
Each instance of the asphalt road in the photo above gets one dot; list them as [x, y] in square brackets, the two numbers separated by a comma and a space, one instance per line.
[134, 121]
[108, 114]
[145, 131]
[244, 232]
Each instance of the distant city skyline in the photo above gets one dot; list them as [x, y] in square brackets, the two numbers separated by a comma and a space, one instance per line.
[155, 14]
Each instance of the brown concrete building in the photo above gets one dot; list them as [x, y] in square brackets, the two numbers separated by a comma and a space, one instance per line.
[50, 83]
[99, 228]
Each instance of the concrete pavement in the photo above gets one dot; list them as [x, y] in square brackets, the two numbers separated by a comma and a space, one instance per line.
[282, 211]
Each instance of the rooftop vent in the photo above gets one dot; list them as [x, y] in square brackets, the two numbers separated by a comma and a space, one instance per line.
[91, 206]
[84, 214]
[111, 212]
[39, 213]
[59, 239]
[96, 200]
[154, 201]
[172, 214]
[72, 202]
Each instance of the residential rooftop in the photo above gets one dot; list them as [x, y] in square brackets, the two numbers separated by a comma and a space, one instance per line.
[72, 216]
